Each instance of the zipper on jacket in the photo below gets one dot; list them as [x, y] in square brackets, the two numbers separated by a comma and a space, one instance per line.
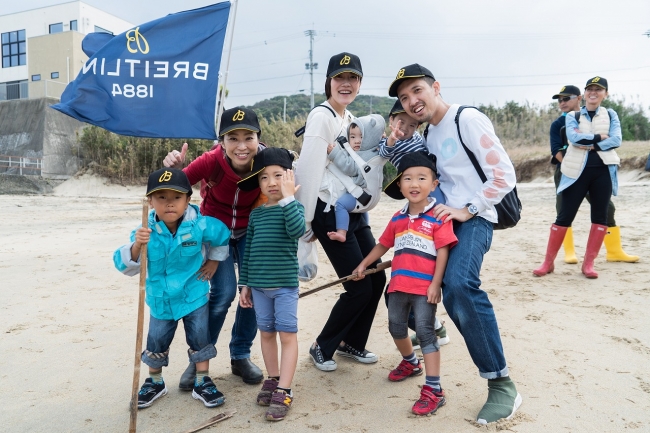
[234, 214]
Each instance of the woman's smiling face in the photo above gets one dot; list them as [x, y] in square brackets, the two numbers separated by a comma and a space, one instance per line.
[345, 87]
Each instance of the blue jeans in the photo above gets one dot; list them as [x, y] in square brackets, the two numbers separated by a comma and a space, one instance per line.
[467, 305]
[223, 289]
[402, 305]
[161, 333]
[276, 309]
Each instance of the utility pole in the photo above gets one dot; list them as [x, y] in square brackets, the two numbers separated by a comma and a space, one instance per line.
[311, 65]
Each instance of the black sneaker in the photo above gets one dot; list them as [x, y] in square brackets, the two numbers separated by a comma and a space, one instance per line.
[150, 392]
[364, 357]
[208, 393]
[319, 360]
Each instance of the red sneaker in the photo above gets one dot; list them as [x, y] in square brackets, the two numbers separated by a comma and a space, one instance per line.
[403, 370]
[429, 401]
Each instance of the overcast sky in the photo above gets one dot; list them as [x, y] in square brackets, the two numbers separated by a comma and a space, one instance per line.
[481, 51]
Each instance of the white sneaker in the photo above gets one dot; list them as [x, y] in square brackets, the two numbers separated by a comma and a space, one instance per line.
[319, 360]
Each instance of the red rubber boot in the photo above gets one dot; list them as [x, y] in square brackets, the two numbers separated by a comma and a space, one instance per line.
[595, 242]
[554, 243]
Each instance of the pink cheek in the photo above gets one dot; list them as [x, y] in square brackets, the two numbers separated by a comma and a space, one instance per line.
[486, 142]
[492, 157]
[490, 193]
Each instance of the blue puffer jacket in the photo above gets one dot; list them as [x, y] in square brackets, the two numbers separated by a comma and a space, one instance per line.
[173, 290]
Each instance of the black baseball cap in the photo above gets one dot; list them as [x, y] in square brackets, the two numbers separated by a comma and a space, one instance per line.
[169, 178]
[238, 118]
[567, 90]
[414, 159]
[597, 81]
[397, 108]
[407, 72]
[344, 62]
[264, 158]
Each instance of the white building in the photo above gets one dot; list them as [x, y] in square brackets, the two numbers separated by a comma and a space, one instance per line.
[41, 48]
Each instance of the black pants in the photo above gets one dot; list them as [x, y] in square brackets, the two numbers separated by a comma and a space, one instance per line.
[558, 199]
[595, 181]
[352, 315]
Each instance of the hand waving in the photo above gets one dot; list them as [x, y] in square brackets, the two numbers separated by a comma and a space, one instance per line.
[288, 184]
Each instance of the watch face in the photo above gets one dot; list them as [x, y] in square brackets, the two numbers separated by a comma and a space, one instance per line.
[472, 209]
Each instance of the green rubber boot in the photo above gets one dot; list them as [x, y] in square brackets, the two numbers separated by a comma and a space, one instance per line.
[502, 402]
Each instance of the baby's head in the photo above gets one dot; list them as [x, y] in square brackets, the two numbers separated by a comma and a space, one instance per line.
[399, 119]
[169, 193]
[355, 135]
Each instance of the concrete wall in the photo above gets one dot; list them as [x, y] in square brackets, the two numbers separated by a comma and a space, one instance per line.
[30, 128]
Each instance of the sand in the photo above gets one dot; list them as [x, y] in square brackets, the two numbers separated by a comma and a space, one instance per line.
[578, 349]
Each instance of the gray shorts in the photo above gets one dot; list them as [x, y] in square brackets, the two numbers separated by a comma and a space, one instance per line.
[399, 305]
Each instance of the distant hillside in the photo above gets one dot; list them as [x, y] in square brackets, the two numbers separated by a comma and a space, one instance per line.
[298, 105]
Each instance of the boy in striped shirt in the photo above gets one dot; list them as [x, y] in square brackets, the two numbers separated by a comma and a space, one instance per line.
[403, 139]
[269, 273]
[421, 243]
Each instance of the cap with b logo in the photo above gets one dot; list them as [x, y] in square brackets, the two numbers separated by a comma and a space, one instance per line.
[239, 118]
[597, 81]
[344, 62]
[410, 160]
[397, 108]
[567, 90]
[408, 72]
[269, 156]
[169, 178]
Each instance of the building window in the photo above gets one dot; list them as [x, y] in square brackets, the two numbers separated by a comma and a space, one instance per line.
[36, 77]
[56, 28]
[54, 75]
[14, 49]
[73, 25]
[13, 90]
[102, 30]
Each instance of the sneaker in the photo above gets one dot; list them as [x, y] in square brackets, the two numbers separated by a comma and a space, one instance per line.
[429, 401]
[279, 407]
[264, 396]
[441, 333]
[403, 370]
[150, 392]
[502, 402]
[319, 360]
[208, 393]
[364, 357]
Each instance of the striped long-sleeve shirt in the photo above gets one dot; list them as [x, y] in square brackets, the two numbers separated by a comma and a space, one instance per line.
[395, 153]
[270, 259]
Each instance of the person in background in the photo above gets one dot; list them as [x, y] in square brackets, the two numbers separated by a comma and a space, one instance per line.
[569, 99]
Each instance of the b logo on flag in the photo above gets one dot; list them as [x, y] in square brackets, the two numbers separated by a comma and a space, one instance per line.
[400, 74]
[165, 177]
[134, 35]
[239, 115]
[595, 80]
[345, 60]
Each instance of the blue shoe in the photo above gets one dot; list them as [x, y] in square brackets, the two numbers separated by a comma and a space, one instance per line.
[208, 393]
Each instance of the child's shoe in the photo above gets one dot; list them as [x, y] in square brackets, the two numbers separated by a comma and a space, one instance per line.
[208, 393]
[268, 388]
[405, 369]
[279, 407]
[429, 401]
[150, 392]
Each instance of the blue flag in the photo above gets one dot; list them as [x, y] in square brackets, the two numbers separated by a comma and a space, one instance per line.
[156, 80]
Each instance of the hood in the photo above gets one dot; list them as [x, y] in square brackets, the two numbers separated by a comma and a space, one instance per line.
[372, 128]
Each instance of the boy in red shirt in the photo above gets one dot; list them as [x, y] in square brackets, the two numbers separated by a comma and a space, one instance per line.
[421, 244]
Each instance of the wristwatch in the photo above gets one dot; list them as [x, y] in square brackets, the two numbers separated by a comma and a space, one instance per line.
[471, 208]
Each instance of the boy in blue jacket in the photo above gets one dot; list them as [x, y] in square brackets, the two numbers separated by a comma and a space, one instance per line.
[180, 239]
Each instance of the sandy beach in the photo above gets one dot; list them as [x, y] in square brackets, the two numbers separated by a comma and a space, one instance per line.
[578, 349]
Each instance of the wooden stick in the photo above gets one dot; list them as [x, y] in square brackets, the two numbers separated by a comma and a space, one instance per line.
[138, 335]
[380, 267]
[211, 421]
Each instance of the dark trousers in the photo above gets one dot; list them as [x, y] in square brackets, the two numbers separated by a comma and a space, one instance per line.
[594, 181]
[352, 315]
[558, 199]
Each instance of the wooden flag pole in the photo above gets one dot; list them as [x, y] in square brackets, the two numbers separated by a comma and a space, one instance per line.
[380, 267]
[138, 335]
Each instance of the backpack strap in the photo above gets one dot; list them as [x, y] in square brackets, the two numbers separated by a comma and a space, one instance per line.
[300, 131]
[469, 153]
